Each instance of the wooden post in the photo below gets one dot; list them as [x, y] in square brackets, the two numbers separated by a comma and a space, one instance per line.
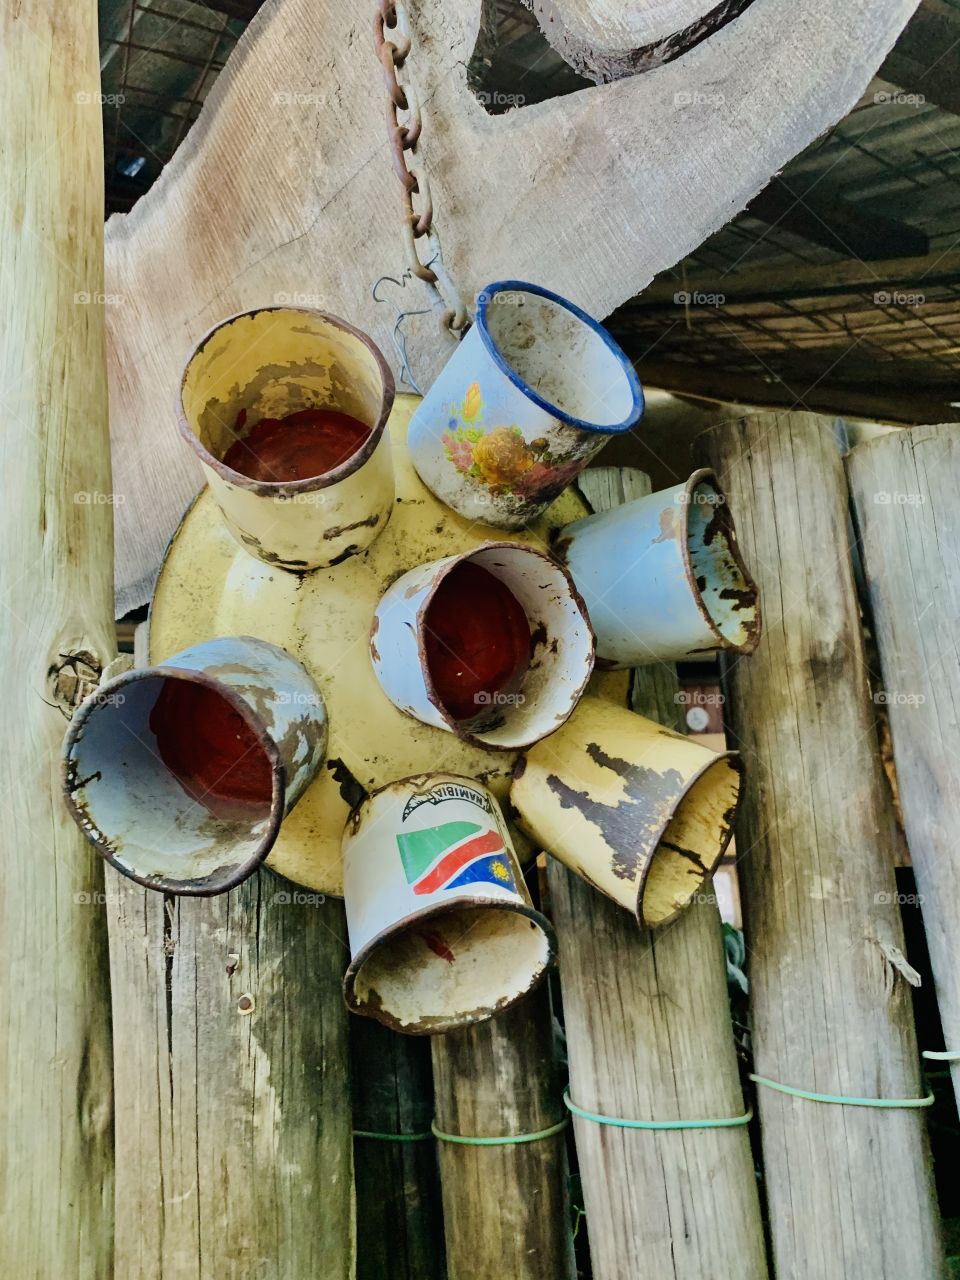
[848, 1188]
[399, 1213]
[649, 1038]
[233, 1102]
[905, 502]
[506, 1208]
[56, 635]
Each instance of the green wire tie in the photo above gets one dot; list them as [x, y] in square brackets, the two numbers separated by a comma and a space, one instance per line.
[618, 1122]
[510, 1140]
[729, 1122]
[841, 1101]
[391, 1137]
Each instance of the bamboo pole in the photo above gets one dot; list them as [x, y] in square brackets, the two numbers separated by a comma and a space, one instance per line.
[399, 1214]
[506, 1209]
[904, 493]
[649, 1038]
[56, 563]
[848, 1188]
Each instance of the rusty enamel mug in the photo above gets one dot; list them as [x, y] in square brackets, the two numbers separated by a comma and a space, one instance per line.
[442, 929]
[180, 774]
[662, 577]
[560, 638]
[268, 364]
[529, 397]
[641, 813]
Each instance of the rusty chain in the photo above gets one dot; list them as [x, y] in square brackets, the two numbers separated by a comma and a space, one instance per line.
[391, 33]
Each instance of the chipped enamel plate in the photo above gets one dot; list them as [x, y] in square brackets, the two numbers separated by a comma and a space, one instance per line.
[209, 586]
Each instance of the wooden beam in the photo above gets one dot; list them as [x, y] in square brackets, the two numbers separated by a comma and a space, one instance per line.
[907, 405]
[924, 59]
[905, 503]
[821, 217]
[830, 990]
[800, 280]
[56, 636]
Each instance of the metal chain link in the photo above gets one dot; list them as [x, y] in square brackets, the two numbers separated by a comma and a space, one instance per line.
[391, 34]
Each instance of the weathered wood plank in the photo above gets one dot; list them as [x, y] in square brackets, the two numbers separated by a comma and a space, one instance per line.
[506, 1209]
[399, 1211]
[607, 39]
[904, 489]
[848, 1189]
[644, 1011]
[284, 189]
[235, 1130]
[56, 1106]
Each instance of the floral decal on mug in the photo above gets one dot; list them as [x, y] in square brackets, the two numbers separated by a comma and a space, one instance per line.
[501, 459]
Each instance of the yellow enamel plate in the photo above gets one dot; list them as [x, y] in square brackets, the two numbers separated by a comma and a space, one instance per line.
[209, 586]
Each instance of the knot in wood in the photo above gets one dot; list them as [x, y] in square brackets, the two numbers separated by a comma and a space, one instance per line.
[73, 677]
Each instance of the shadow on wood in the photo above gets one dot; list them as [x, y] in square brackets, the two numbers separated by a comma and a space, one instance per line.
[399, 1211]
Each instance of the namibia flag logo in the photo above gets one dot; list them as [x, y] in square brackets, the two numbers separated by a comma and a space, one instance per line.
[453, 855]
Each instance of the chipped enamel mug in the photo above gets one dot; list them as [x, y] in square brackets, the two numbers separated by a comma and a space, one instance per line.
[662, 577]
[562, 644]
[532, 393]
[442, 929]
[180, 774]
[640, 812]
[270, 363]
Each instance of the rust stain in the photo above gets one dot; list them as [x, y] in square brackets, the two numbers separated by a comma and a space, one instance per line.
[437, 945]
[668, 527]
[560, 547]
[345, 555]
[352, 792]
[626, 826]
[339, 530]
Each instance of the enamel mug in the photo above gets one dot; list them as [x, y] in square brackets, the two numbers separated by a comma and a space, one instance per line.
[442, 929]
[270, 363]
[662, 577]
[561, 644]
[180, 774]
[532, 393]
[643, 814]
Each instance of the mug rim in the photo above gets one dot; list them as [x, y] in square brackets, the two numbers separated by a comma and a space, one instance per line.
[444, 568]
[707, 475]
[484, 297]
[275, 488]
[199, 886]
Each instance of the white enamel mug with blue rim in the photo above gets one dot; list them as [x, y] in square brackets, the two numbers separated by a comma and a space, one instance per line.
[530, 396]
